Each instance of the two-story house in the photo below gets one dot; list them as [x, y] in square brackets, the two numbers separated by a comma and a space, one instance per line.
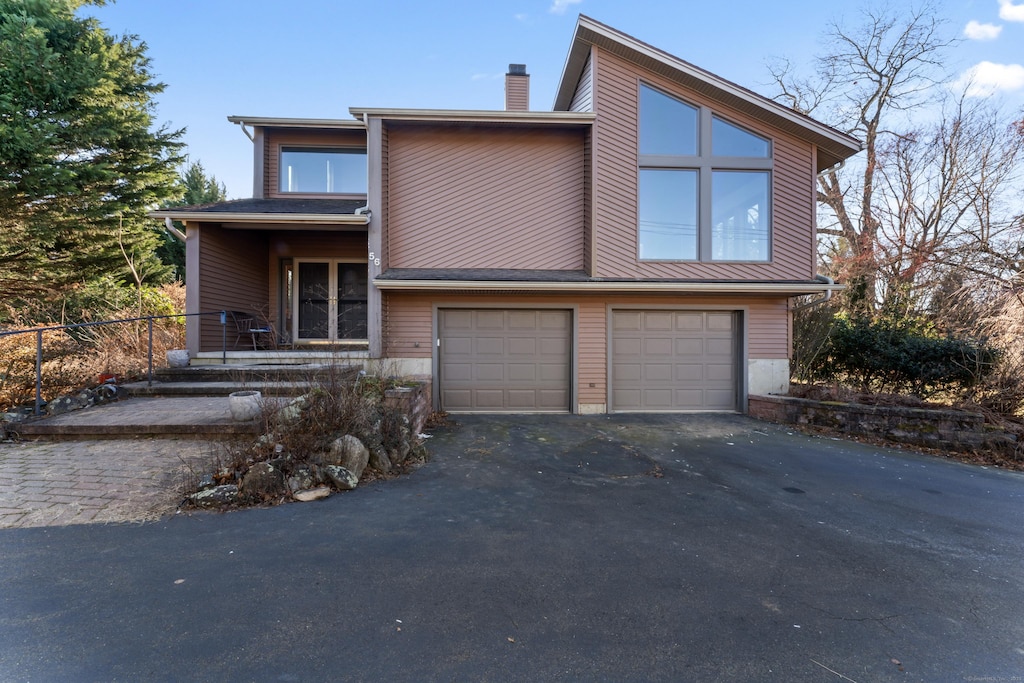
[637, 248]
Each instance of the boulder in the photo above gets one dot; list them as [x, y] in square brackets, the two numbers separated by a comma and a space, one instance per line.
[341, 478]
[350, 453]
[311, 494]
[215, 497]
[262, 479]
[302, 478]
[379, 459]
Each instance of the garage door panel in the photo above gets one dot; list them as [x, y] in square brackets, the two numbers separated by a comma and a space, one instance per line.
[522, 372]
[489, 320]
[689, 322]
[493, 346]
[720, 321]
[554, 399]
[689, 372]
[658, 399]
[658, 346]
[520, 346]
[505, 359]
[522, 320]
[675, 360]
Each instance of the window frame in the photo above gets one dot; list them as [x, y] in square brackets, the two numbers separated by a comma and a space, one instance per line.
[286, 146]
[705, 163]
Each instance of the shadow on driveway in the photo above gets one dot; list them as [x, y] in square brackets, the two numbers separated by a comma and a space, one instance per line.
[695, 547]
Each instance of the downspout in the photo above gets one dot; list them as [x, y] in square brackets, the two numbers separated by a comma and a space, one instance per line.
[817, 302]
[169, 225]
[241, 125]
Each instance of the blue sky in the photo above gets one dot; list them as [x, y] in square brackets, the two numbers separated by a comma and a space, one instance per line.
[316, 58]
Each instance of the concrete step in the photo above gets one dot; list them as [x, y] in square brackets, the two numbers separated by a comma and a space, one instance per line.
[306, 372]
[195, 417]
[170, 389]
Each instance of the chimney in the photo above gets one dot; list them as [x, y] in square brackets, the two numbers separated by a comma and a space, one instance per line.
[517, 88]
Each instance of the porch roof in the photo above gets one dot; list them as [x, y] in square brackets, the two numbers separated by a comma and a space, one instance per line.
[501, 279]
[278, 210]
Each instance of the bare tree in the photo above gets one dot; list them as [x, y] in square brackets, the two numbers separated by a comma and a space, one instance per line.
[871, 75]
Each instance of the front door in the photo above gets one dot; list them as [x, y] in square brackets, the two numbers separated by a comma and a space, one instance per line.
[329, 300]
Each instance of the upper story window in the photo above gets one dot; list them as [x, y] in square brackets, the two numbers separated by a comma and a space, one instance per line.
[704, 185]
[322, 170]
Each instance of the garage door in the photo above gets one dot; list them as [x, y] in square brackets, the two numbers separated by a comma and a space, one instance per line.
[505, 360]
[674, 360]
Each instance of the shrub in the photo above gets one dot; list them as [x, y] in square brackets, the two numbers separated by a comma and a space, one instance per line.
[899, 355]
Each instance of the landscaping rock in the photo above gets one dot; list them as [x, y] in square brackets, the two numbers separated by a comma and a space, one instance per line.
[350, 453]
[312, 494]
[215, 497]
[343, 479]
[207, 482]
[302, 478]
[379, 460]
[262, 479]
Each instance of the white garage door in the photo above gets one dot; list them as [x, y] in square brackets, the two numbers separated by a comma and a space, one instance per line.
[505, 360]
[674, 360]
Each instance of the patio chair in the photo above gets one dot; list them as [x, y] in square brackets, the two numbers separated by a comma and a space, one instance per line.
[246, 325]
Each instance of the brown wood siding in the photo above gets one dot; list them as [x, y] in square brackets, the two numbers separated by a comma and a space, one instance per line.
[233, 267]
[497, 198]
[275, 139]
[583, 98]
[384, 195]
[616, 186]
[408, 325]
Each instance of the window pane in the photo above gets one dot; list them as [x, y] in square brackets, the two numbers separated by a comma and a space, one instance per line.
[668, 214]
[728, 140]
[667, 126]
[338, 171]
[739, 215]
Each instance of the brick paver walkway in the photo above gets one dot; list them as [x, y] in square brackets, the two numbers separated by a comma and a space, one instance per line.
[83, 482]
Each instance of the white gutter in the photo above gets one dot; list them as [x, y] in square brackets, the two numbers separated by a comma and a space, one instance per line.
[791, 289]
[213, 217]
[832, 287]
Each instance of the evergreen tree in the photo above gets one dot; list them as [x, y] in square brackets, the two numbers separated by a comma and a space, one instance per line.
[196, 188]
[81, 160]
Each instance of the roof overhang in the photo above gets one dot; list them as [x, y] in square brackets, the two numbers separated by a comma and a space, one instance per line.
[470, 116]
[224, 217]
[611, 286]
[833, 145]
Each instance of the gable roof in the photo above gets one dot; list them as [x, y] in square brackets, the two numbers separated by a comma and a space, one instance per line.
[833, 145]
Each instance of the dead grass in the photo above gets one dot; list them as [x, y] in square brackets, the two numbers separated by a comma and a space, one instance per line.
[73, 359]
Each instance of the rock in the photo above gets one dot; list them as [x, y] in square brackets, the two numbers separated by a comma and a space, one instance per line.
[350, 453]
[262, 479]
[215, 497]
[207, 482]
[293, 411]
[302, 478]
[312, 494]
[379, 460]
[343, 479]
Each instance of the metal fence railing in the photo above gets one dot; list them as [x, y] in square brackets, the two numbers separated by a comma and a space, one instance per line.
[38, 331]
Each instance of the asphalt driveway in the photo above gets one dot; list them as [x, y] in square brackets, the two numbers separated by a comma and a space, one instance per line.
[672, 548]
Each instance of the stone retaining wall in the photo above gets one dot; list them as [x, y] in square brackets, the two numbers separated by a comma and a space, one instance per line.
[942, 429]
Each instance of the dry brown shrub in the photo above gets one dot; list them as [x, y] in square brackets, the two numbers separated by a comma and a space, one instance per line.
[77, 358]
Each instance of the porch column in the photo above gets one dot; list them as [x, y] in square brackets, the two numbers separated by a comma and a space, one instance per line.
[192, 323]
[375, 242]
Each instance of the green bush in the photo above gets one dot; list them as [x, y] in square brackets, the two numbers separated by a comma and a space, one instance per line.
[894, 355]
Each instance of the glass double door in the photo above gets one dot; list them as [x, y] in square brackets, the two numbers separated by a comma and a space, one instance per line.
[330, 300]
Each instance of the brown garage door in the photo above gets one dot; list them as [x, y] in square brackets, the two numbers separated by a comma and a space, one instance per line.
[673, 360]
[505, 360]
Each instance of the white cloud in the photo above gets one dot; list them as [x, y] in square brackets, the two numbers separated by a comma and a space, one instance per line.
[978, 31]
[521, 16]
[560, 6]
[986, 78]
[1010, 12]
